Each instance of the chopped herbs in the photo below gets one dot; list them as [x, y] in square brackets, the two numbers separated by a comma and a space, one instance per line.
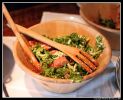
[43, 55]
[97, 50]
[73, 40]
[107, 23]
[71, 70]
[82, 42]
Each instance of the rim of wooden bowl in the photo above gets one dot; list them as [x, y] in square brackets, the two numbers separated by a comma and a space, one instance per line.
[97, 25]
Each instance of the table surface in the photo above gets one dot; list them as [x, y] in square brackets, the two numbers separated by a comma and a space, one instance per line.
[32, 15]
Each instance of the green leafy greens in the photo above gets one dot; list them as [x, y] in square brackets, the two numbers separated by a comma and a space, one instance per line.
[107, 23]
[72, 70]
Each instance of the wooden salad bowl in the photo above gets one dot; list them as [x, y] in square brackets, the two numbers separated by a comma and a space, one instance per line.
[57, 28]
[90, 12]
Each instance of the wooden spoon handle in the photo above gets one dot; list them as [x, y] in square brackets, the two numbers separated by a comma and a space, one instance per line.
[39, 37]
[20, 38]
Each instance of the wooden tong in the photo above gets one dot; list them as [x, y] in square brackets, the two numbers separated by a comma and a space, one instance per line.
[21, 39]
[84, 59]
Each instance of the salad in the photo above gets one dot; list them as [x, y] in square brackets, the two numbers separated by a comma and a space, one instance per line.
[113, 23]
[56, 64]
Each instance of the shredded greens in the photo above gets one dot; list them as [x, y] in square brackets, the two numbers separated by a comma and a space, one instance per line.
[71, 70]
[62, 73]
[97, 50]
[107, 23]
[73, 40]
[82, 42]
[43, 55]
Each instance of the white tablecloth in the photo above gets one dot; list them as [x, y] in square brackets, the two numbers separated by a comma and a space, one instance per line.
[19, 84]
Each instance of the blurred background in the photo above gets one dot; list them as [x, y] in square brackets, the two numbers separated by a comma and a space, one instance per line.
[28, 14]
[32, 12]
